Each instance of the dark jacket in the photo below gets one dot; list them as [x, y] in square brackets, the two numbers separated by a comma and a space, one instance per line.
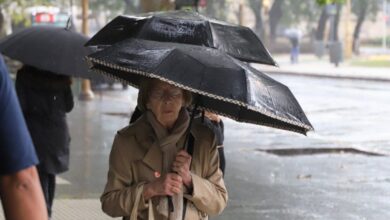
[45, 99]
[217, 128]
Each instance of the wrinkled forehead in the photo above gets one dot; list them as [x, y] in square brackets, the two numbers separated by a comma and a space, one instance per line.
[160, 85]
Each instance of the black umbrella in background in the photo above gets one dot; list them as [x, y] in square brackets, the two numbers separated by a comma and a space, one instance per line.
[55, 49]
[221, 83]
[186, 27]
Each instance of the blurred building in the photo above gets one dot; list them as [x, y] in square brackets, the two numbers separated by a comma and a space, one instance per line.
[48, 15]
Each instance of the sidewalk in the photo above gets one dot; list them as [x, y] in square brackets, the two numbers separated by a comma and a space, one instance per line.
[88, 168]
[76, 209]
[310, 65]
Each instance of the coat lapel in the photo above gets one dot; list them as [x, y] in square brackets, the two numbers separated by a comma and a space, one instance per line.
[153, 155]
[153, 158]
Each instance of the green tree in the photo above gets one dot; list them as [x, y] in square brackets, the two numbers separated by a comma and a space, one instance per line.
[320, 31]
[112, 6]
[327, 2]
[15, 9]
[362, 9]
[291, 12]
[275, 14]
[256, 6]
[324, 17]
[217, 9]
[111, 9]
[296, 11]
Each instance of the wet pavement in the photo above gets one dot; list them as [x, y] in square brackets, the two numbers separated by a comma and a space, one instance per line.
[347, 114]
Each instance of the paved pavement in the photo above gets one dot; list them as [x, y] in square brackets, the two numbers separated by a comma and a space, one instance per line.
[88, 206]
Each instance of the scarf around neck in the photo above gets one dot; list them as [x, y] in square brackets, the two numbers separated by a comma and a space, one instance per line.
[168, 141]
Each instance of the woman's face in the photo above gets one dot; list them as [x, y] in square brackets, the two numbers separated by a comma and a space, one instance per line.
[165, 101]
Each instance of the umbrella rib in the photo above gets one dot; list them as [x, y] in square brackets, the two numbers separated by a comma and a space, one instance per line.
[257, 122]
[91, 60]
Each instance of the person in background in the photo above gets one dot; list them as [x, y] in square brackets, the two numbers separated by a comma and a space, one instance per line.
[294, 35]
[45, 98]
[20, 191]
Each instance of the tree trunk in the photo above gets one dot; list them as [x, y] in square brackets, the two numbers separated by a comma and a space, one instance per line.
[257, 6]
[335, 36]
[356, 33]
[275, 14]
[321, 25]
[1, 22]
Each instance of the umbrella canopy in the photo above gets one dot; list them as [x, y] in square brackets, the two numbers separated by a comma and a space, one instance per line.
[189, 28]
[49, 48]
[293, 33]
[221, 83]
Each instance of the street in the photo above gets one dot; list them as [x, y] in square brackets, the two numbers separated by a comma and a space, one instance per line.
[337, 184]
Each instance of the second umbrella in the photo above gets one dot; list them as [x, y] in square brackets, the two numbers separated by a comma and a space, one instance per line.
[186, 27]
[54, 49]
[222, 84]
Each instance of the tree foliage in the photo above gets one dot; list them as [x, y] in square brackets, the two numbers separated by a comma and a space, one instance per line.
[296, 11]
[362, 9]
[371, 7]
[256, 6]
[113, 5]
[326, 2]
[15, 9]
[217, 9]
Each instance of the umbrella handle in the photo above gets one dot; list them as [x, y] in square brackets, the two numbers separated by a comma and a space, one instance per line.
[171, 208]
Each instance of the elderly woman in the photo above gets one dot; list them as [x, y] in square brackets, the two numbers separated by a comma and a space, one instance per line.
[148, 164]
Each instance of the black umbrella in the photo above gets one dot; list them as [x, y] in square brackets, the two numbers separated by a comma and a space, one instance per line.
[49, 48]
[189, 28]
[223, 84]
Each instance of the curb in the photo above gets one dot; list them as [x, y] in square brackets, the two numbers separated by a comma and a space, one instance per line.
[334, 76]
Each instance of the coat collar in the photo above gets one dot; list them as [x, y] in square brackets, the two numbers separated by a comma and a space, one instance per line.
[153, 155]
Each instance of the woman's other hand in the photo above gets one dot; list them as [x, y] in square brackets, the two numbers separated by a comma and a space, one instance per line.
[181, 166]
[212, 116]
[168, 184]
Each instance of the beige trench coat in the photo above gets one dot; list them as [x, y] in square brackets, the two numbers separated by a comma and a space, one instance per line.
[134, 161]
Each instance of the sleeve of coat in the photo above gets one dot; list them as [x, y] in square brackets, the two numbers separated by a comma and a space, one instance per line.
[209, 193]
[119, 196]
